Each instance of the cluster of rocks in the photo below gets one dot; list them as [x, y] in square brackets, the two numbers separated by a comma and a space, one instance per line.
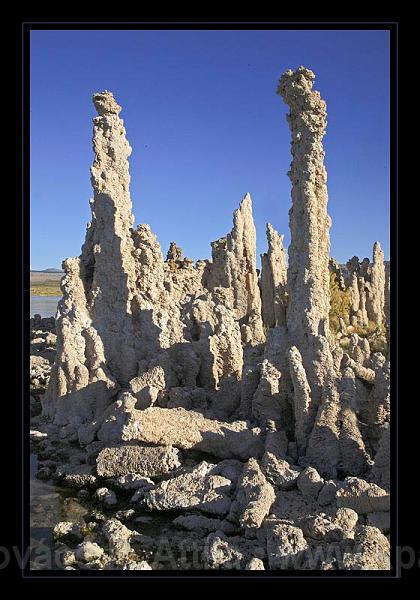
[269, 513]
[43, 340]
[368, 286]
[213, 399]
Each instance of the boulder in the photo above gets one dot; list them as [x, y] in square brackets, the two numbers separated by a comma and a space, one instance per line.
[309, 482]
[88, 551]
[106, 497]
[371, 551]
[195, 490]
[279, 472]
[145, 461]
[285, 546]
[255, 495]
[362, 497]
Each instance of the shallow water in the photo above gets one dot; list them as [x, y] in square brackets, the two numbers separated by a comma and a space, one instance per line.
[45, 306]
[48, 505]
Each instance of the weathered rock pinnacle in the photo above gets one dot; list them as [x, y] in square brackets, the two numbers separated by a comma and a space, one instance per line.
[376, 298]
[105, 104]
[387, 295]
[235, 266]
[108, 250]
[95, 333]
[273, 280]
[309, 250]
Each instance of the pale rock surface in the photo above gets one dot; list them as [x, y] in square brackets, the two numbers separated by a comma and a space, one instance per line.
[335, 268]
[309, 482]
[362, 497]
[266, 400]
[145, 461]
[376, 297]
[359, 349]
[133, 565]
[66, 530]
[130, 482]
[77, 391]
[309, 250]
[271, 400]
[156, 356]
[292, 505]
[193, 522]
[327, 493]
[230, 468]
[379, 402]
[370, 553]
[279, 472]
[88, 551]
[285, 546]
[276, 441]
[380, 472]
[336, 441]
[334, 528]
[255, 495]
[118, 537]
[106, 496]
[221, 552]
[273, 280]
[387, 293]
[364, 373]
[234, 266]
[77, 476]
[195, 490]
[302, 399]
[363, 317]
[183, 429]
[255, 564]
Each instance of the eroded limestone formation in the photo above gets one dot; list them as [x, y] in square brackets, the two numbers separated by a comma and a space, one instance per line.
[273, 280]
[376, 298]
[309, 250]
[202, 387]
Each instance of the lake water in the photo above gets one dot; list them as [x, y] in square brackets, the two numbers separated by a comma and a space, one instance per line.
[45, 306]
[49, 504]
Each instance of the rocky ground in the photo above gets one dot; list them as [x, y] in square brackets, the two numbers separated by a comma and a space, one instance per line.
[158, 507]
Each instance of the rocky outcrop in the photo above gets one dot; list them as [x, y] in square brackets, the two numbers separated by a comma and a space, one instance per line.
[180, 428]
[286, 546]
[309, 250]
[387, 299]
[234, 267]
[222, 552]
[255, 496]
[199, 399]
[376, 297]
[370, 553]
[197, 490]
[273, 280]
[174, 253]
[148, 462]
[336, 442]
[337, 270]
[302, 399]
[107, 263]
[362, 497]
[81, 385]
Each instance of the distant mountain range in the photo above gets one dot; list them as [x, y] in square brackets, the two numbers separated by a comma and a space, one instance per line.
[47, 271]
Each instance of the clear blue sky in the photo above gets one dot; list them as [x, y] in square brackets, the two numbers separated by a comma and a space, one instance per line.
[206, 126]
